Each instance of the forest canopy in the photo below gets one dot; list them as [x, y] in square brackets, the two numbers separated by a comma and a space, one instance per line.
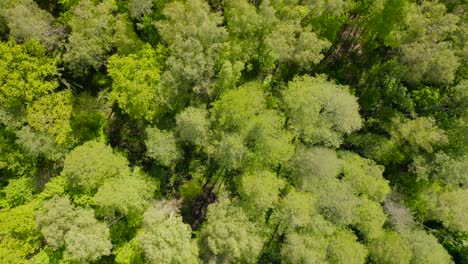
[233, 131]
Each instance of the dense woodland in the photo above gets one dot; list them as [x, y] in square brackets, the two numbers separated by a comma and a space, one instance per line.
[233, 131]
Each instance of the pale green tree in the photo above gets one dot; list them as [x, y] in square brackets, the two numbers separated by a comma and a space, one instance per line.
[161, 146]
[344, 248]
[84, 238]
[168, 241]
[314, 162]
[320, 111]
[89, 165]
[194, 37]
[228, 236]
[230, 152]
[91, 38]
[127, 195]
[260, 191]
[426, 249]
[40, 144]
[390, 248]
[193, 126]
[364, 176]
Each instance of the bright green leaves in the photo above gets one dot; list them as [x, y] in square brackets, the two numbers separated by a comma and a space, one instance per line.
[25, 73]
[194, 38]
[135, 84]
[161, 146]
[127, 195]
[51, 113]
[84, 238]
[235, 108]
[89, 165]
[18, 232]
[344, 248]
[248, 125]
[365, 177]
[319, 111]
[17, 192]
[228, 236]
[260, 191]
[390, 248]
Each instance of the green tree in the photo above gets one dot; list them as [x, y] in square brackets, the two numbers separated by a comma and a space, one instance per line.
[260, 192]
[228, 236]
[314, 162]
[91, 38]
[51, 113]
[194, 38]
[193, 126]
[127, 195]
[135, 84]
[319, 111]
[40, 144]
[26, 73]
[390, 248]
[19, 237]
[17, 192]
[88, 166]
[426, 249]
[168, 241]
[85, 239]
[161, 146]
[344, 248]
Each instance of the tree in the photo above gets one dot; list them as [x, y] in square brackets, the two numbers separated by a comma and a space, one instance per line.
[26, 73]
[296, 210]
[91, 37]
[17, 192]
[20, 239]
[390, 248]
[304, 248]
[426, 249]
[127, 195]
[40, 144]
[135, 84]
[193, 126]
[260, 192]
[168, 241]
[85, 239]
[27, 21]
[161, 146]
[319, 111]
[228, 236]
[193, 51]
[421, 133]
[88, 166]
[51, 113]
[365, 177]
[450, 207]
[314, 162]
[231, 152]
[344, 248]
